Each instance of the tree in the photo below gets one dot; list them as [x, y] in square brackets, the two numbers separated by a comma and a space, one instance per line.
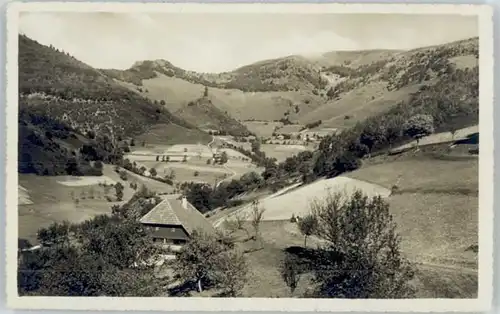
[153, 172]
[257, 214]
[372, 134]
[91, 193]
[251, 179]
[196, 173]
[255, 145]
[223, 158]
[119, 191]
[123, 175]
[197, 259]
[290, 271]
[418, 126]
[394, 129]
[56, 233]
[171, 176]
[307, 226]
[231, 272]
[363, 241]
[98, 165]
[238, 223]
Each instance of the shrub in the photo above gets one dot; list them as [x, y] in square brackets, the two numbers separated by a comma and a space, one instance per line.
[123, 175]
[307, 226]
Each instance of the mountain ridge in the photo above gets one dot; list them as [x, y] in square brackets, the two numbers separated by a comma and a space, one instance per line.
[337, 88]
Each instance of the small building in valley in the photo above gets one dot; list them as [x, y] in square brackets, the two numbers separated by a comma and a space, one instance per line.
[174, 220]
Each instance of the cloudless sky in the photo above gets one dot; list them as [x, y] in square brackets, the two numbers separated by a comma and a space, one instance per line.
[223, 42]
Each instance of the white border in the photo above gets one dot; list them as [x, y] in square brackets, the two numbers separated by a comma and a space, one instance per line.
[482, 303]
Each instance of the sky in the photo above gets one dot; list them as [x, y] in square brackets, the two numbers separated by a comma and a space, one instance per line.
[223, 42]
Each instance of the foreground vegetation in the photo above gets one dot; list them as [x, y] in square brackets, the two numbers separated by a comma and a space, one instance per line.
[100, 256]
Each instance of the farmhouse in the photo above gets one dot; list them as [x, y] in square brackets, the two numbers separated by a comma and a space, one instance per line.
[217, 156]
[174, 219]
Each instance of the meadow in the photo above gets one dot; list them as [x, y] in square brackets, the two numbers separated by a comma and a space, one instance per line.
[282, 151]
[59, 198]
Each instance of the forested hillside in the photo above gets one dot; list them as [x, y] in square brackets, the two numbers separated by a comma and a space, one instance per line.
[65, 103]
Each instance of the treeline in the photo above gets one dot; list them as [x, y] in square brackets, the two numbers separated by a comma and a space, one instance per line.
[312, 125]
[274, 177]
[49, 147]
[256, 155]
[206, 198]
[450, 104]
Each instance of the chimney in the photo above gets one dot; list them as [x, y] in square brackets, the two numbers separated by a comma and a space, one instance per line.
[184, 202]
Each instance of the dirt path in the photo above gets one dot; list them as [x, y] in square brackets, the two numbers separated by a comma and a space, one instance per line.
[234, 173]
[446, 267]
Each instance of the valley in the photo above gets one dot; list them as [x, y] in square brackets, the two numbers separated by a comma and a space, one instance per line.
[400, 127]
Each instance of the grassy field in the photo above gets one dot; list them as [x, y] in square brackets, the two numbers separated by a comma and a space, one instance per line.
[74, 199]
[169, 134]
[357, 105]
[239, 105]
[298, 200]
[436, 206]
[262, 128]
[282, 152]
[185, 172]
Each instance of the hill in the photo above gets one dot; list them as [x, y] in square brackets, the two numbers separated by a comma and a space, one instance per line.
[65, 103]
[282, 74]
[339, 88]
[205, 115]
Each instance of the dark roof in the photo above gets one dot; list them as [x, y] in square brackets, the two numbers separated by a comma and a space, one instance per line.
[170, 212]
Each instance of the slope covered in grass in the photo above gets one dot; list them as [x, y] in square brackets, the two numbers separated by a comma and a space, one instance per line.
[202, 113]
[435, 205]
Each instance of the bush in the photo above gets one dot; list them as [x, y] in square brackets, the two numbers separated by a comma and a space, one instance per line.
[123, 175]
